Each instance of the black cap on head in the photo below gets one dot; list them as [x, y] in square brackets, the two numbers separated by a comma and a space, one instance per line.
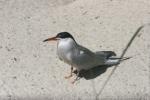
[64, 35]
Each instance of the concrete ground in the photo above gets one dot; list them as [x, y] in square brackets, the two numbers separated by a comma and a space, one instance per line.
[31, 70]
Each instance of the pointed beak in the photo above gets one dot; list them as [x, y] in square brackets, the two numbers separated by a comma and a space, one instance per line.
[51, 39]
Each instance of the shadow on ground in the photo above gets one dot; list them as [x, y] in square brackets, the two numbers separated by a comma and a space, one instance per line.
[93, 72]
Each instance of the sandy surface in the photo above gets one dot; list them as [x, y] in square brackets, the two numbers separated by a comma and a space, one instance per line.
[31, 70]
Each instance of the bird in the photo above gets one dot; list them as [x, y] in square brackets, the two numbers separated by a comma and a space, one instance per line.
[79, 57]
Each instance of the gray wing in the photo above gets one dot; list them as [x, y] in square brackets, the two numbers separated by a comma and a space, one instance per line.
[84, 55]
[88, 59]
[105, 54]
[86, 51]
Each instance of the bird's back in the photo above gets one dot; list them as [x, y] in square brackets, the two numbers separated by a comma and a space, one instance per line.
[80, 57]
[87, 59]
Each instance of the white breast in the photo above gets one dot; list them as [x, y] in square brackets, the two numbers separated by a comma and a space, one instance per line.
[66, 49]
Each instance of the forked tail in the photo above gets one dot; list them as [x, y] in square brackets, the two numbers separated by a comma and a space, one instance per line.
[115, 60]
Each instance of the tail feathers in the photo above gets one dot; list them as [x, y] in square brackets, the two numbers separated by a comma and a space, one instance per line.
[125, 58]
[115, 60]
[109, 53]
[121, 59]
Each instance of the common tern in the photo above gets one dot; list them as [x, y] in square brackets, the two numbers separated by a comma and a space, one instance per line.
[79, 57]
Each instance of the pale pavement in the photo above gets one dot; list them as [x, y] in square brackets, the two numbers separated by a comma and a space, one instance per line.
[31, 70]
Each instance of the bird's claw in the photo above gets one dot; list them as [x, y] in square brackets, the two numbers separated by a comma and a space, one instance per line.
[73, 81]
[67, 77]
[76, 79]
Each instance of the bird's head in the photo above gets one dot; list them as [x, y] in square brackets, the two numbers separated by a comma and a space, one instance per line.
[59, 36]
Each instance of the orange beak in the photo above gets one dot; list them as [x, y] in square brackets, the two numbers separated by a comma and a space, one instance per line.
[51, 39]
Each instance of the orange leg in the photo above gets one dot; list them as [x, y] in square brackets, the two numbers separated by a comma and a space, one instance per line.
[77, 77]
[67, 77]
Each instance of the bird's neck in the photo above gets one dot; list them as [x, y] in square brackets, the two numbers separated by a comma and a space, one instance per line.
[67, 44]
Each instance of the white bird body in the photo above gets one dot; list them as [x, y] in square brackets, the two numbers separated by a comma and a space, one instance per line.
[78, 56]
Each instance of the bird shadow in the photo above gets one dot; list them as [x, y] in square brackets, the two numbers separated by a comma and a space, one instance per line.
[93, 72]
